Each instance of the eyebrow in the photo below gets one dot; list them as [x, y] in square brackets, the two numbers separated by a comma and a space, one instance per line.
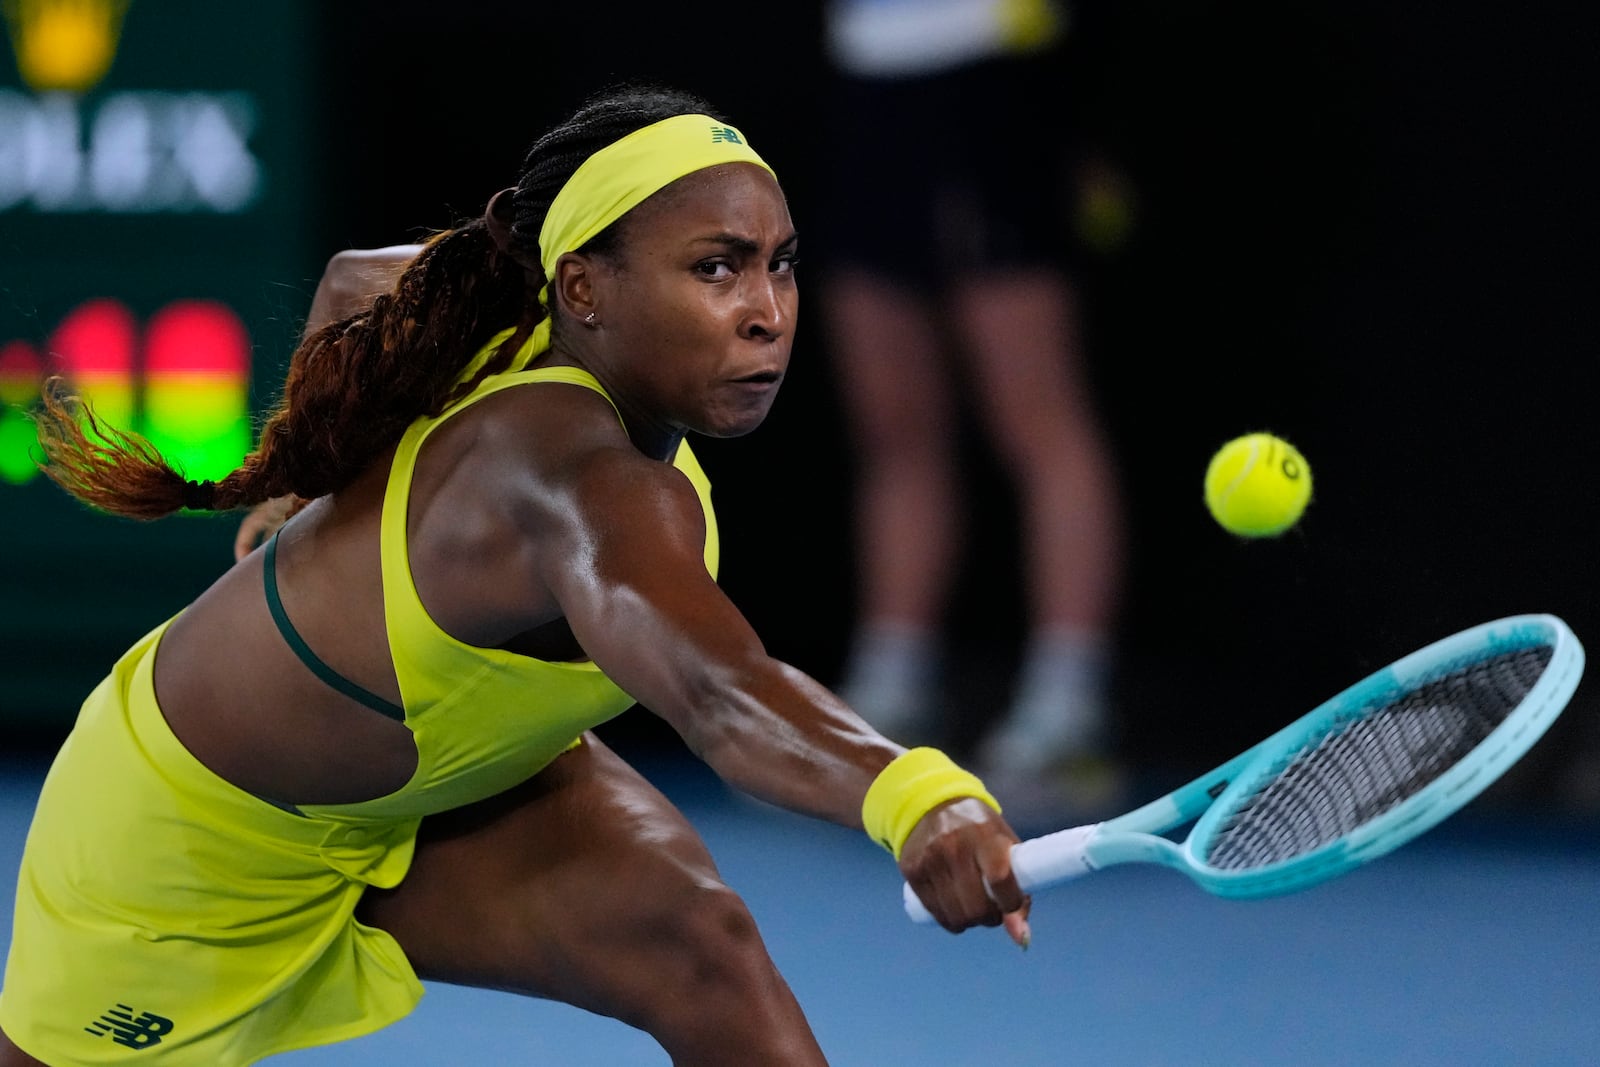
[742, 245]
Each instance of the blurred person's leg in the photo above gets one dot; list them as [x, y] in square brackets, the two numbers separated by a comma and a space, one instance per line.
[1021, 332]
[895, 387]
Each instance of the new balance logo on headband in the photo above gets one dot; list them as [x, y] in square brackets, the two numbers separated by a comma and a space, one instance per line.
[725, 134]
[125, 1028]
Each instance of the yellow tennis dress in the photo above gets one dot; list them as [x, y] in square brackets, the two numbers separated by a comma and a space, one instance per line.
[164, 916]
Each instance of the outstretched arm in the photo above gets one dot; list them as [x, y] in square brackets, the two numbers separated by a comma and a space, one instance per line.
[642, 605]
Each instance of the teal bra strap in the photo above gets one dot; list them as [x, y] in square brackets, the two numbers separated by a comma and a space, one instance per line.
[269, 571]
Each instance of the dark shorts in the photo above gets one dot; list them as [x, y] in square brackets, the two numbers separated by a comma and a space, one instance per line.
[965, 170]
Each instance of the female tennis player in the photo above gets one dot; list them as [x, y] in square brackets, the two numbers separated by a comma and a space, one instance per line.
[362, 758]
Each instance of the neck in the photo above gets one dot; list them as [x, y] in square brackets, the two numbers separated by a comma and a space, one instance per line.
[651, 438]
[649, 435]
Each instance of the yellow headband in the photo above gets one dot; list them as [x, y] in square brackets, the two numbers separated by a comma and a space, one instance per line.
[608, 185]
[620, 176]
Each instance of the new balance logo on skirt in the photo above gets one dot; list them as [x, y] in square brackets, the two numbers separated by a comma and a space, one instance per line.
[134, 1031]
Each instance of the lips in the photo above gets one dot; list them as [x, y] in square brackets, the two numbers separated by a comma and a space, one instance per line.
[766, 377]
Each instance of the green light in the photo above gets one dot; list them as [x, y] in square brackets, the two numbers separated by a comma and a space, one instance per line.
[18, 442]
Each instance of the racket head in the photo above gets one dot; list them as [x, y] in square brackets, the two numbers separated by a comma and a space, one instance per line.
[1318, 798]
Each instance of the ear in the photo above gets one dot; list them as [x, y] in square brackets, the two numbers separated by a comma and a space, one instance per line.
[573, 287]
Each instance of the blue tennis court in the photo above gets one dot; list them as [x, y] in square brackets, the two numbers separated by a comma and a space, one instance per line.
[1475, 945]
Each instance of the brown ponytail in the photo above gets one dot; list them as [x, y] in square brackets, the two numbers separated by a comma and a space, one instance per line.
[108, 468]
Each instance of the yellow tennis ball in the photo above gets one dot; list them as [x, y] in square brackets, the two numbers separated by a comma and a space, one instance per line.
[1257, 485]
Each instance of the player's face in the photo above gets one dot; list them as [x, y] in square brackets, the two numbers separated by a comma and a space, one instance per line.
[698, 318]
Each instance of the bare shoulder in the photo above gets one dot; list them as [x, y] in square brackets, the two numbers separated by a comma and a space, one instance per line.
[560, 457]
[529, 489]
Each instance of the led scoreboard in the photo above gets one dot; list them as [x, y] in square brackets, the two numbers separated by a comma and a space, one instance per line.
[157, 248]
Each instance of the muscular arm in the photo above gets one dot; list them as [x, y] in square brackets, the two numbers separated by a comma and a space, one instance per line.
[626, 567]
[642, 605]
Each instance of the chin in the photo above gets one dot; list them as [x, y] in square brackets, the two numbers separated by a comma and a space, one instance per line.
[727, 424]
[731, 429]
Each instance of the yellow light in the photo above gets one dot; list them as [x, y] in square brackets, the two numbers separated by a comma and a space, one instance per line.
[64, 44]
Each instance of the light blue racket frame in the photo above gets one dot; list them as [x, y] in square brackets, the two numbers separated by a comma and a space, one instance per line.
[1209, 800]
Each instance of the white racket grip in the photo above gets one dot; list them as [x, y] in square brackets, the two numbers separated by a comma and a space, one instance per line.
[1038, 862]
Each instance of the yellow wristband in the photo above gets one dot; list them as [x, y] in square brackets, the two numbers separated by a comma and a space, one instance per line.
[913, 784]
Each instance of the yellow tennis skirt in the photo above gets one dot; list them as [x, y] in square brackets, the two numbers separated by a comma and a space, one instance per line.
[165, 917]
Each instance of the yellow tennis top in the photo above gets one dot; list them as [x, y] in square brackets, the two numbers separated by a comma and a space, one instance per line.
[162, 909]
[484, 719]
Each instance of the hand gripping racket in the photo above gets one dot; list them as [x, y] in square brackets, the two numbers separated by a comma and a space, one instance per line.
[1355, 778]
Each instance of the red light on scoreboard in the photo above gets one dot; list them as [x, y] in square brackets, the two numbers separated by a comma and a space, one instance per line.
[197, 386]
[95, 345]
[183, 383]
[21, 370]
[197, 337]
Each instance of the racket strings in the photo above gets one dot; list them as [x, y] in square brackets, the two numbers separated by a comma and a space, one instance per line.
[1371, 761]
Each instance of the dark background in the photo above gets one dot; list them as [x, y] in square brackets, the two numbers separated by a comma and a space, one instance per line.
[1365, 226]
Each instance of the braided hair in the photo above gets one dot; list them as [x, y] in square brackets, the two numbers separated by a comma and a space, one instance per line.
[355, 385]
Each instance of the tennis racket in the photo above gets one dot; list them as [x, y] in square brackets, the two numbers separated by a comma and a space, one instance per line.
[1355, 778]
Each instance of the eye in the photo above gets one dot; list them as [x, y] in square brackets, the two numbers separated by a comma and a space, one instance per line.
[714, 268]
[785, 264]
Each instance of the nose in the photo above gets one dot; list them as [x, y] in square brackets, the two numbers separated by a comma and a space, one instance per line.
[770, 309]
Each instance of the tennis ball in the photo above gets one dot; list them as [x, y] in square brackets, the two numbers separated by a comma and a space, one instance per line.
[1257, 485]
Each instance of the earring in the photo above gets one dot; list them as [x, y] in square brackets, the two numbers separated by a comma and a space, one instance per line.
[588, 319]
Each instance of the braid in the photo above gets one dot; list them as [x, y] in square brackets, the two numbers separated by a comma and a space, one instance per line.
[354, 386]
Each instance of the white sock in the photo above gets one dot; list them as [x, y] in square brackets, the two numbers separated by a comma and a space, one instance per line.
[889, 676]
[1059, 706]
